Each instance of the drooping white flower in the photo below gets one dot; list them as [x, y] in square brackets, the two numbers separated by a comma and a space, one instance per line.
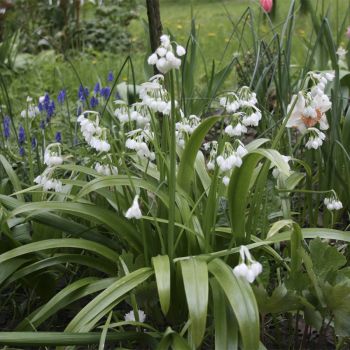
[93, 134]
[226, 180]
[106, 169]
[341, 52]
[248, 267]
[180, 50]
[316, 138]
[32, 111]
[130, 316]
[164, 58]
[333, 204]
[134, 211]
[52, 158]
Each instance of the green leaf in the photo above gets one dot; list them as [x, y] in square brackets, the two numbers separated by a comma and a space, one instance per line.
[161, 266]
[68, 295]
[338, 300]
[242, 300]
[185, 173]
[282, 300]
[61, 243]
[59, 338]
[325, 258]
[195, 278]
[115, 222]
[12, 176]
[106, 300]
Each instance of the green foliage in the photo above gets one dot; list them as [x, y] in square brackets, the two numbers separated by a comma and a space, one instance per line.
[177, 259]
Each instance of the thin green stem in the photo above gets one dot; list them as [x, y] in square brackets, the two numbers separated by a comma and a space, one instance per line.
[172, 171]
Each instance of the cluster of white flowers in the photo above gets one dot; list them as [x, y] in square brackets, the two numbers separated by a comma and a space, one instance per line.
[333, 204]
[155, 96]
[32, 110]
[230, 157]
[137, 140]
[130, 316]
[164, 58]
[48, 183]
[186, 127]
[138, 113]
[51, 158]
[134, 211]
[308, 109]
[316, 138]
[248, 267]
[242, 106]
[93, 134]
[106, 169]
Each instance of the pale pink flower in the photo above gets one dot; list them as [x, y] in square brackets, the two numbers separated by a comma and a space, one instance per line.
[266, 5]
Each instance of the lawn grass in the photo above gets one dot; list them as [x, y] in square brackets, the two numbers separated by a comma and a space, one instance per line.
[214, 22]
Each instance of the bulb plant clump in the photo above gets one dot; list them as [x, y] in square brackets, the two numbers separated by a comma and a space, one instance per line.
[154, 233]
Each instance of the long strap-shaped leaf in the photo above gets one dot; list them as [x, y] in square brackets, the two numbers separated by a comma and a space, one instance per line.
[195, 278]
[161, 266]
[240, 184]
[107, 217]
[186, 166]
[60, 338]
[61, 243]
[61, 223]
[68, 295]
[99, 305]
[242, 301]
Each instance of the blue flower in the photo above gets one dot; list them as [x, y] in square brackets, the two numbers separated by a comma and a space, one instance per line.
[34, 142]
[6, 123]
[93, 102]
[50, 109]
[58, 136]
[61, 96]
[83, 93]
[40, 107]
[21, 134]
[42, 125]
[79, 110]
[110, 76]
[22, 152]
[105, 92]
[97, 88]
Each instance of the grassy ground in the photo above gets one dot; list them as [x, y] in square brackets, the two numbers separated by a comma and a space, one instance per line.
[214, 25]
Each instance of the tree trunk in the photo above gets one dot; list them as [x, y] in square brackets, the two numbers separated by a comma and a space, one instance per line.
[154, 23]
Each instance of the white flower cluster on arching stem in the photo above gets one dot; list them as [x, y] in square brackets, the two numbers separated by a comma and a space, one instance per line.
[230, 157]
[105, 166]
[51, 159]
[243, 110]
[185, 128]
[138, 141]
[138, 112]
[248, 267]
[155, 96]
[333, 203]
[308, 110]
[164, 57]
[93, 134]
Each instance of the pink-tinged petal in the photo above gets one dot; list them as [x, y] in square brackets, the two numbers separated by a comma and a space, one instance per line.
[266, 5]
